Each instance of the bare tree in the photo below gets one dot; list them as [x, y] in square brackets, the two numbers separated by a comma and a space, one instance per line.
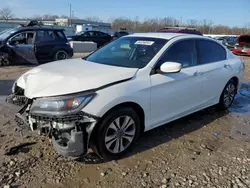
[6, 14]
[64, 16]
[192, 23]
[93, 19]
[37, 17]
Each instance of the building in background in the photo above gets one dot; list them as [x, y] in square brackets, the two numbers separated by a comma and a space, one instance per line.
[75, 25]
[81, 24]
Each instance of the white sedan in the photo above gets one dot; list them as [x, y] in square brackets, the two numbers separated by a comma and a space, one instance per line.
[131, 85]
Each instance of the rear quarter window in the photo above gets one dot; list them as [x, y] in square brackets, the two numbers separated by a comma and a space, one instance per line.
[61, 35]
[210, 52]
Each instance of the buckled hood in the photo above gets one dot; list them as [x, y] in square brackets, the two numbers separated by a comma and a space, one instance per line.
[70, 76]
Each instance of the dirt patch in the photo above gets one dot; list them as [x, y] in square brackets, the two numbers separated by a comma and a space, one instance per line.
[205, 149]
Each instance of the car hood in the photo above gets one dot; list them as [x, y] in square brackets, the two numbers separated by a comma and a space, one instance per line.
[70, 76]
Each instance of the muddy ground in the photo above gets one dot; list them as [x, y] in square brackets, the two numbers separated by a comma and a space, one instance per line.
[206, 149]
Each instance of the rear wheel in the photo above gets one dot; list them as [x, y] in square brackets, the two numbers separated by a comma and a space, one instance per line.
[61, 55]
[116, 133]
[228, 95]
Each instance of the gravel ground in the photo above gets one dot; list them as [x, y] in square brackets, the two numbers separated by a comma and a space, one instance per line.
[205, 149]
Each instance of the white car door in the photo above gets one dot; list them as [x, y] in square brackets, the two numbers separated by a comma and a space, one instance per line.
[215, 70]
[176, 94]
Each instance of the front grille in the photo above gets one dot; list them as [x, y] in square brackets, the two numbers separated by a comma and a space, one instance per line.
[64, 118]
[69, 118]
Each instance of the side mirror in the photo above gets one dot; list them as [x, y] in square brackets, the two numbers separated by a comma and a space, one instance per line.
[170, 67]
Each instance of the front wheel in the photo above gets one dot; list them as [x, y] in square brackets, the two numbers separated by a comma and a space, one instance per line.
[228, 95]
[116, 133]
[4, 61]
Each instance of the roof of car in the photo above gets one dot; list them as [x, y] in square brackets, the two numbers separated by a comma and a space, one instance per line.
[163, 35]
[37, 28]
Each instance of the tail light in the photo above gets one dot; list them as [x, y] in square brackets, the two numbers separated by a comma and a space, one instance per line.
[69, 44]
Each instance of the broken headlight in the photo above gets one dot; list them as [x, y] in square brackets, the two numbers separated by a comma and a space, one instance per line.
[60, 105]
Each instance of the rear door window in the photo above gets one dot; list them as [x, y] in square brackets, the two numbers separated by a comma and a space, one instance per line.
[98, 34]
[47, 35]
[210, 52]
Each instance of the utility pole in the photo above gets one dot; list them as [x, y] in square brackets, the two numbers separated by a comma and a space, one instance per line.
[70, 14]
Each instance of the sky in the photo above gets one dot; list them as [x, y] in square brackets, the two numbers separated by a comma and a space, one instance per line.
[227, 12]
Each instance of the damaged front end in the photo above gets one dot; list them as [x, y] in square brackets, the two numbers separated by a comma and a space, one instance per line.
[60, 118]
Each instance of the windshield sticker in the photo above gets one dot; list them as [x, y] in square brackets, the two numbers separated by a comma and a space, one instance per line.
[144, 42]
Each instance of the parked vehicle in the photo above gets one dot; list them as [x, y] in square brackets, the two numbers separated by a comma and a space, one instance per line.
[221, 39]
[229, 42]
[242, 47]
[180, 30]
[34, 44]
[100, 38]
[131, 85]
[118, 34]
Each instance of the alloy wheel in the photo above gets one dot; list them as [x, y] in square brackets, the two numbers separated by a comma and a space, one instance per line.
[120, 134]
[229, 94]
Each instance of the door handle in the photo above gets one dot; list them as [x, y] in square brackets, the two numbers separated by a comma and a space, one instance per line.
[227, 66]
[198, 73]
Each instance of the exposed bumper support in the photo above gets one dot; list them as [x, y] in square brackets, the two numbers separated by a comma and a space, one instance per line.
[70, 134]
[70, 145]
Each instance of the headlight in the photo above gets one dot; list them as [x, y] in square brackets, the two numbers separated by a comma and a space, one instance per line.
[60, 105]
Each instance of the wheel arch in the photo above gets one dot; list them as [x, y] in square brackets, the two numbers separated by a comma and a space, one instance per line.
[136, 107]
[236, 79]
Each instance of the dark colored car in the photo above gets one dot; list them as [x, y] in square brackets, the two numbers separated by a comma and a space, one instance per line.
[229, 42]
[34, 45]
[220, 39]
[118, 34]
[242, 47]
[180, 30]
[100, 38]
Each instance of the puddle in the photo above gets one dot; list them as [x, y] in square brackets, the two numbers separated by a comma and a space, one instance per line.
[242, 101]
[241, 112]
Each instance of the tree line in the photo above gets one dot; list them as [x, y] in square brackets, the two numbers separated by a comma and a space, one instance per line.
[147, 25]
[205, 26]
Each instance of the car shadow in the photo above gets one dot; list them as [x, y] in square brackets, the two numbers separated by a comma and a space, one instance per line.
[165, 133]
[177, 129]
[181, 127]
[242, 101]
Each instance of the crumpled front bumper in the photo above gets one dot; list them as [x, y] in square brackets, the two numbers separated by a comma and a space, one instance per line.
[70, 134]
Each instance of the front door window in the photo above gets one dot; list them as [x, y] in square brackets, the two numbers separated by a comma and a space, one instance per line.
[22, 38]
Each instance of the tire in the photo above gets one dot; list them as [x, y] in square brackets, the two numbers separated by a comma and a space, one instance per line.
[106, 139]
[61, 55]
[228, 95]
[4, 61]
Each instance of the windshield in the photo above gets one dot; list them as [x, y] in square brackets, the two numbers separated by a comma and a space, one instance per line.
[4, 34]
[132, 52]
